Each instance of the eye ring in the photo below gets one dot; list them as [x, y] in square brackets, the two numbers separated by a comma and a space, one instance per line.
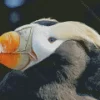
[52, 39]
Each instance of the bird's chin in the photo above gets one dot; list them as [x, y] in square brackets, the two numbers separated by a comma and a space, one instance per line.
[33, 56]
[30, 64]
[26, 60]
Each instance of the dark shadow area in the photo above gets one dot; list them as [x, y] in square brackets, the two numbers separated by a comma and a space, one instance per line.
[89, 81]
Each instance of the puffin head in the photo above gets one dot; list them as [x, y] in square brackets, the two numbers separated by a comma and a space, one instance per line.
[28, 45]
[32, 43]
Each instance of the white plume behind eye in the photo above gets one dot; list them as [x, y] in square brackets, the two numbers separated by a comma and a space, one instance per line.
[70, 30]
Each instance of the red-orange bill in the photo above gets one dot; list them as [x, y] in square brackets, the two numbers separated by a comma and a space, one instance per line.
[15, 61]
[9, 43]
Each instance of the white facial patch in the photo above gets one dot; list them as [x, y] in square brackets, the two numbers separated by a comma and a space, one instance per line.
[40, 44]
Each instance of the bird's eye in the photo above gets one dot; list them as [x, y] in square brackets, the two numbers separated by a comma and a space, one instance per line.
[52, 39]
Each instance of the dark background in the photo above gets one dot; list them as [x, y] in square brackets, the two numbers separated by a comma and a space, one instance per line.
[62, 10]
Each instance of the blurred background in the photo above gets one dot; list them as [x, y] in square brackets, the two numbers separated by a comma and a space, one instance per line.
[14, 13]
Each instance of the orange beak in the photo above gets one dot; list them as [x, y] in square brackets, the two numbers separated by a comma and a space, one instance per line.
[9, 44]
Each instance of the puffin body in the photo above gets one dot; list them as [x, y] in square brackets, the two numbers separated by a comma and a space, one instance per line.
[60, 57]
[64, 75]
